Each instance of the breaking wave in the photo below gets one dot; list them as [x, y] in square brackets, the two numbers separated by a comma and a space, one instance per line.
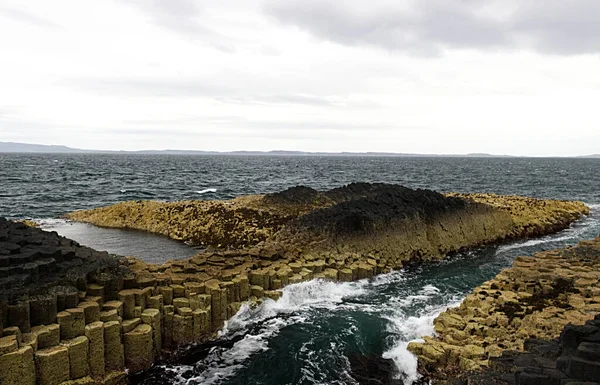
[208, 190]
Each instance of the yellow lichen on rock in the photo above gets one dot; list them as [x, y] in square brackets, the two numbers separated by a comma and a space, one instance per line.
[530, 216]
[536, 298]
[241, 222]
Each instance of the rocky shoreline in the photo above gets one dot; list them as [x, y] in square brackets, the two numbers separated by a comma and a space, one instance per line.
[518, 328]
[103, 314]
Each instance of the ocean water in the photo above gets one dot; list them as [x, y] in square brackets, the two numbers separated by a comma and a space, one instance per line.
[318, 332]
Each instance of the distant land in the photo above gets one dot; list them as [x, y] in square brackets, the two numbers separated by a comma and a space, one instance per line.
[11, 147]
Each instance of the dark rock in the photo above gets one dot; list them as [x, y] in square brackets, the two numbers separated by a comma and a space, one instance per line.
[594, 338]
[4, 260]
[589, 351]
[67, 253]
[573, 335]
[7, 248]
[527, 378]
[542, 348]
[298, 195]
[15, 270]
[43, 309]
[31, 263]
[364, 207]
[564, 364]
[20, 259]
[575, 382]
[66, 297]
[46, 265]
[373, 370]
[583, 369]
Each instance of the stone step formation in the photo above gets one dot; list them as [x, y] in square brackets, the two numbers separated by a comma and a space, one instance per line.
[536, 323]
[73, 315]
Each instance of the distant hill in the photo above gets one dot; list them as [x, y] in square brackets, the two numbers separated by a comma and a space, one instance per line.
[41, 148]
[591, 156]
[11, 147]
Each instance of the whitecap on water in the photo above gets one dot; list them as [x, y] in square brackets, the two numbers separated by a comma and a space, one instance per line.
[208, 190]
[412, 328]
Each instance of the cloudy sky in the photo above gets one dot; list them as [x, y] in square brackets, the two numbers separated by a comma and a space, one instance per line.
[436, 76]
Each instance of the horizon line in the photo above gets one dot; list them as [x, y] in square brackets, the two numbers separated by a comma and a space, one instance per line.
[28, 148]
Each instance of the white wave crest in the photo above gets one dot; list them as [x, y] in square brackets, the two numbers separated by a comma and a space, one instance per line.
[412, 328]
[534, 242]
[574, 232]
[208, 190]
[270, 318]
[297, 297]
[52, 223]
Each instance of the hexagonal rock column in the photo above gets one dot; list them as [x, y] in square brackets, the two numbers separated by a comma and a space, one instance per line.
[72, 323]
[114, 355]
[152, 317]
[52, 365]
[78, 356]
[43, 309]
[18, 315]
[139, 348]
[128, 299]
[47, 335]
[95, 334]
[17, 367]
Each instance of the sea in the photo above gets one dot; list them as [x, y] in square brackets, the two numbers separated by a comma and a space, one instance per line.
[319, 332]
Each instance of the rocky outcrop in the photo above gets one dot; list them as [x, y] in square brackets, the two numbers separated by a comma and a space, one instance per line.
[390, 223]
[33, 261]
[536, 299]
[78, 316]
[53, 329]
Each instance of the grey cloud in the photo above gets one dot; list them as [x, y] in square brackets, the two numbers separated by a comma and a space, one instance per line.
[183, 17]
[560, 27]
[26, 17]
[428, 27]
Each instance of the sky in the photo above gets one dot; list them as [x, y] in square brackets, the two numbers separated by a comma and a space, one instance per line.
[436, 76]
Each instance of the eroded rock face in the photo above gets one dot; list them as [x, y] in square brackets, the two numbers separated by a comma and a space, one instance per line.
[534, 300]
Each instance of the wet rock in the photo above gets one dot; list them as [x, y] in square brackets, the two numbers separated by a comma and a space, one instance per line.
[373, 370]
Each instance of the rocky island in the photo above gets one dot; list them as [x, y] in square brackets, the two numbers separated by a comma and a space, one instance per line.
[71, 315]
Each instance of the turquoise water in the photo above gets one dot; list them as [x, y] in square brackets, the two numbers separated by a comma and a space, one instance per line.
[319, 332]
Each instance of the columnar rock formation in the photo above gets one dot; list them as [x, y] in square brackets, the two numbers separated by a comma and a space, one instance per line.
[535, 299]
[76, 316]
[391, 222]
